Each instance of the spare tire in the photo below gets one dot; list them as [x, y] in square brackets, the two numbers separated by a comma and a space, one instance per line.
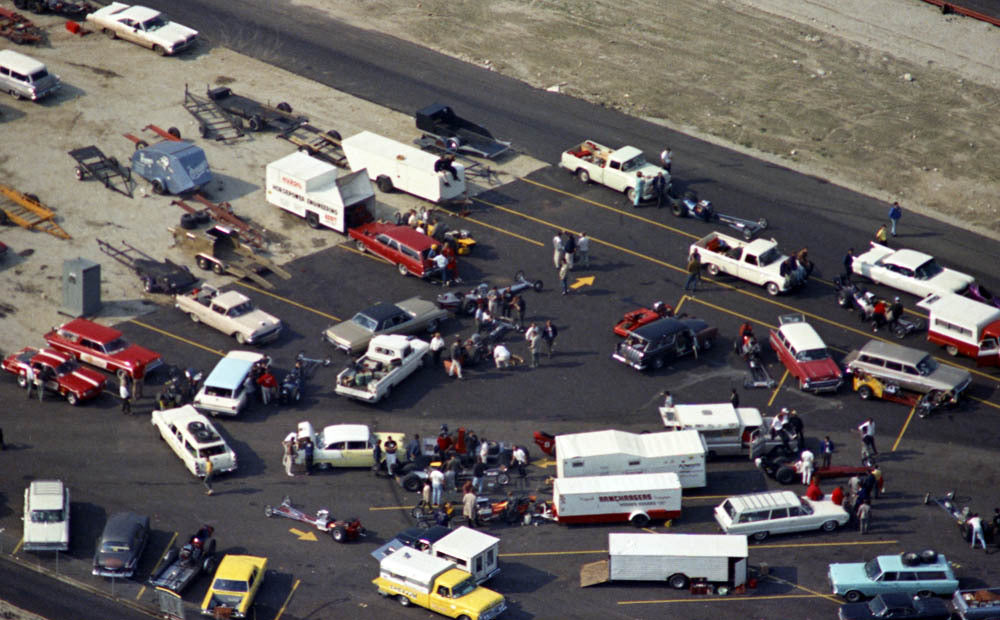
[928, 556]
[908, 558]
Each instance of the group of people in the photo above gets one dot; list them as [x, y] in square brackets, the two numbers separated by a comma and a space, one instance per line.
[298, 453]
[568, 250]
[535, 337]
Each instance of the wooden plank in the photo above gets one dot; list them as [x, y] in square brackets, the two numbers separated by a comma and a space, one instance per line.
[594, 573]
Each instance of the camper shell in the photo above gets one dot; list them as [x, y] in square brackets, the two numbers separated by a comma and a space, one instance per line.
[612, 452]
[394, 165]
[677, 559]
[726, 430]
[636, 498]
[470, 550]
[964, 326]
[319, 192]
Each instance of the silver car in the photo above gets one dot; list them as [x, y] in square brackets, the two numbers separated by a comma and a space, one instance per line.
[406, 317]
[911, 369]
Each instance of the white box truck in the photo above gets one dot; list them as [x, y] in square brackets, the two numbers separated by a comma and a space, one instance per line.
[611, 452]
[394, 165]
[636, 498]
[319, 192]
[677, 559]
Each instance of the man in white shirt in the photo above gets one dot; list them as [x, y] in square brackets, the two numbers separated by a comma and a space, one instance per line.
[441, 263]
[867, 430]
[807, 461]
[519, 458]
[437, 485]
[976, 523]
[501, 356]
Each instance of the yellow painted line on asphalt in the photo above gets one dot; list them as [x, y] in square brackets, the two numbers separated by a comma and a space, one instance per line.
[176, 337]
[828, 597]
[501, 230]
[853, 543]
[612, 209]
[906, 425]
[374, 508]
[156, 567]
[288, 600]
[985, 402]
[649, 529]
[721, 599]
[532, 554]
[288, 301]
[374, 257]
[778, 388]
[20, 544]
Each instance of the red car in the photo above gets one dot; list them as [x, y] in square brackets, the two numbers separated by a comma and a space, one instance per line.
[404, 247]
[804, 354]
[103, 347]
[638, 318]
[62, 373]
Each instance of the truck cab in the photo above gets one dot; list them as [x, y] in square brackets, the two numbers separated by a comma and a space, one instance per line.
[727, 430]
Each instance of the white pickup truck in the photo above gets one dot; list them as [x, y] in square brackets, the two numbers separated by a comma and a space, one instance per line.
[614, 168]
[389, 360]
[232, 313]
[758, 261]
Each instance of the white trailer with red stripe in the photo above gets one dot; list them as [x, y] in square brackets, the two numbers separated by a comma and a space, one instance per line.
[636, 498]
[612, 452]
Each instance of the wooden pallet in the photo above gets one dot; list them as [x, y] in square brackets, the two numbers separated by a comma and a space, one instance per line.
[28, 212]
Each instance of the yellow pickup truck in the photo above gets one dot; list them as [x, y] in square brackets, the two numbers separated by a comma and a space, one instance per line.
[415, 578]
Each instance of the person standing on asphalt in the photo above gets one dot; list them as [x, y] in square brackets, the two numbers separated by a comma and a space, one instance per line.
[390, 455]
[29, 379]
[658, 189]
[207, 480]
[668, 399]
[519, 458]
[864, 515]
[456, 359]
[558, 250]
[640, 189]
[549, 334]
[895, 212]
[534, 338]
[517, 307]
[570, 247]
[583, 249]
[735, 398]
[479, 476]
[848, 265]
[882, 235]
[807, 466]
[413, 448]
[826, 450]
[125, 395]
[469, 508]
[437, 345]
[694, 272]
[666, 158]
[437, 485]
[867, 430]
[564, 276]
[268, 386]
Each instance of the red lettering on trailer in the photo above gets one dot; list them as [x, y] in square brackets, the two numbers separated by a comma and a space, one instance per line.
[291, 182]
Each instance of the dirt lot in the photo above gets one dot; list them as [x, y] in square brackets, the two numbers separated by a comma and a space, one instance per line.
[889, 98]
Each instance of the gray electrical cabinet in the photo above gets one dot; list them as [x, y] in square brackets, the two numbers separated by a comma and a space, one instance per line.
[81, 287]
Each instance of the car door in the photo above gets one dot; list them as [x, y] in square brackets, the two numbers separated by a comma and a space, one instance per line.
[92, 353]
[128, 29]
[614, 177]
[333, 453]
[217, 318]
[358, 453]
[779, 523]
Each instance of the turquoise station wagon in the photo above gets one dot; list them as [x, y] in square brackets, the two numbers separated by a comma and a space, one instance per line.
[921, 575]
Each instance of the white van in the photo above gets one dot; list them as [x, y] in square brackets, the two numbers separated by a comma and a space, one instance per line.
[227, 389]
[194, 440]
[759, 515]
[24, 77]
[394, 165]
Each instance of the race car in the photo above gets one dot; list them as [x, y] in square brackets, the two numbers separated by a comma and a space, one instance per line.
[340, 531]
[637, 318]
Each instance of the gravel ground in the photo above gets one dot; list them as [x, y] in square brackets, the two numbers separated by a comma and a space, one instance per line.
[9, 612]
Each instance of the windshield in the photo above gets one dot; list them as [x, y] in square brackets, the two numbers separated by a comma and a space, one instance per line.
[230, 585]
[872, 570]
[41, 74]
[365, 321]
[153, 23]
[812, 355]
[728, 507]
[116, 345]
[240, 310]
[926, 366]
[66, 367]
[928, 270]
[47, 516]
[636, 163]
[463, 588]
[769, 257]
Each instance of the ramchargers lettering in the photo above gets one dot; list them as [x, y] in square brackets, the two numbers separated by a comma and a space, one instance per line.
[291, 182]
[625, 498]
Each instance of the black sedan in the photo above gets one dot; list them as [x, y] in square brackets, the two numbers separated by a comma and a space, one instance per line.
[120, 545]
[896, 606]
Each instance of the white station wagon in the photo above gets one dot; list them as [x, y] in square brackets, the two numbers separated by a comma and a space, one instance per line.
[46, 516]
[759, 515]
[194, 440]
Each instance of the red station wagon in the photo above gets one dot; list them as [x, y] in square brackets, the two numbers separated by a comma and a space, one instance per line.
[402, 246]
[805, 355]
[64, 374]
[103, 347]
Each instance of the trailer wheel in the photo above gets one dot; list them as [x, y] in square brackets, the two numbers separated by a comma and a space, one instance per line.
[773, 289]
[78, 171]
[111, 34]
[639, 520]
[268, 511]
[865, 392]
[159, 49]
[747, 234]
[189, 221]
[537, 285]
[334, 134]
[762, 222]
[712, 269]
[158, 187]
[312, 219]
[203, 263]
[218, 269]
[677, 581]
[677, 209]
[583, 176]
[384, 184]
[453, 144]
[141, 144]
[256, 123]
[284, 107]
[173, 131]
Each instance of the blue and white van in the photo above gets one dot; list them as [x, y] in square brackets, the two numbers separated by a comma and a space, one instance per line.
[228, 387]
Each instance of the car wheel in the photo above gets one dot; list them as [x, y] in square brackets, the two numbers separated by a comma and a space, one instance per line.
[268, 511]
[785, 475]
[22, 381]
[677, 581]
[403, 271]
[658, 362]
[583, 176]
[194, 318]
[503, 478]
[630, 194]
[360, 245]
[707, 344]
[218, 268]
[284, 107]
[640, 520]
[412, 483]
[952, 350]
[240, 338]
[111, 34]
[925, 594]
[865, 392]
[79, 172]
[469, 307]
[405, 602]
[537, 285]
[338, 533]
[173, 131]
[759, 536]
[713, 270]
[159, 49]
[256, 123]
[203, 263]
[312, 219]
[773, 289]
[853, 596]
[830, 526]
[433, 326]
[72, 399]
